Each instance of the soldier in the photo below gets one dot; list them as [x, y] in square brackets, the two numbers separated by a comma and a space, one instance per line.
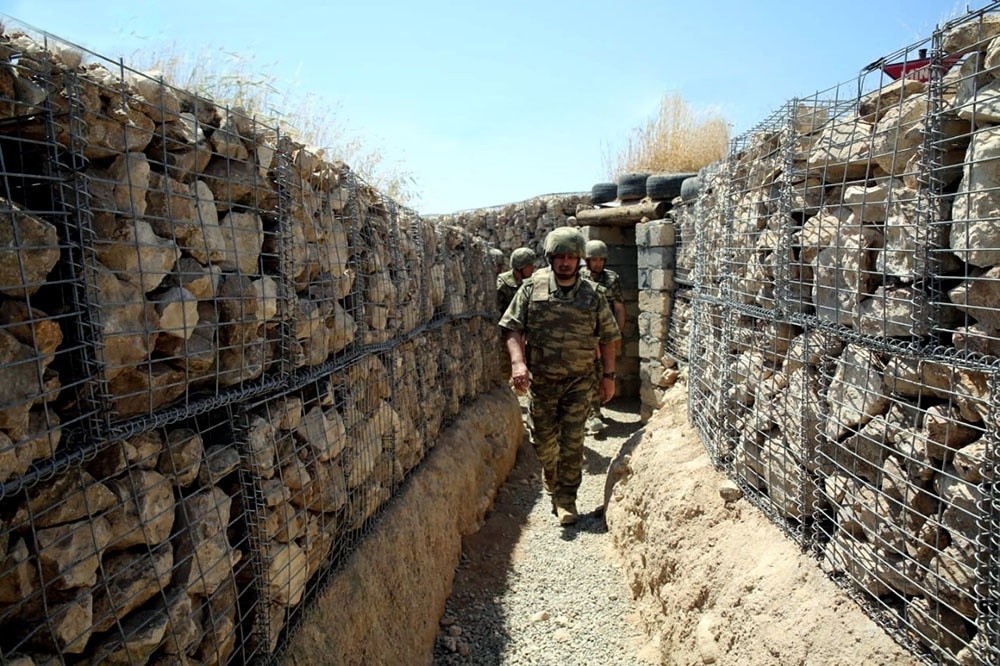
[596, 256]
[496, 258]
[522, 265]
[561, 319]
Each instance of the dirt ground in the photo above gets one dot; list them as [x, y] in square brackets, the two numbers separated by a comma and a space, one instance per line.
[719, 583]
[711, 582]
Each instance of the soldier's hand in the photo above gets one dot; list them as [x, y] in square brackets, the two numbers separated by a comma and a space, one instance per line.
[607, 389]
[520, 378]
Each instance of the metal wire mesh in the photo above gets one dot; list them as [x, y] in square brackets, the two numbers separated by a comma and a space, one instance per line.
[222, 357]
[842, 355]
[46, 355]
[146, 540]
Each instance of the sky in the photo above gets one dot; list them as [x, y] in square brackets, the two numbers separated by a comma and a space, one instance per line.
[487, 103]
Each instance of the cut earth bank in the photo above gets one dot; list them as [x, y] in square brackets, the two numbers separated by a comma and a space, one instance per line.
[717, 582]
[712, 582]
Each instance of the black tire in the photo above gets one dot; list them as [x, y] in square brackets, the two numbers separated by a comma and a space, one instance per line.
[632, 186]
[690, 189]
[665, 186]
[603, 193]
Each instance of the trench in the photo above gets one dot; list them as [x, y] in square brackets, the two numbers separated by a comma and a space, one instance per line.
[464, 562]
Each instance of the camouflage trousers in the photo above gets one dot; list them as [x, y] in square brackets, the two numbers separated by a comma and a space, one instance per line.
[557, 413]
[595, 393]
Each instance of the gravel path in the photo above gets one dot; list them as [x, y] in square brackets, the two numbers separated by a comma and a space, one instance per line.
[528, 591]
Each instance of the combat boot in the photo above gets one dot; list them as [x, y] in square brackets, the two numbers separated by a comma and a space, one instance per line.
[595, 425]
[566, 513]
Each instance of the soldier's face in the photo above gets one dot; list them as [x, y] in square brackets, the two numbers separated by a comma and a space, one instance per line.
[565, 265]
[527, 271]
[596, 264]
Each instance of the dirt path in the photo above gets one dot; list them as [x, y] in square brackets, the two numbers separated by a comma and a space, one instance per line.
[531, 592]
[679, 577]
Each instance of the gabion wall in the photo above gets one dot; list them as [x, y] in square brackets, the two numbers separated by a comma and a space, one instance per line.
[220, 356]
[843, 332]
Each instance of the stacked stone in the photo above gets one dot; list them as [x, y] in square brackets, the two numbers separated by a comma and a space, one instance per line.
[834, 406]
[30, 340]
[522, 224]
[215, 254]
[128, 555]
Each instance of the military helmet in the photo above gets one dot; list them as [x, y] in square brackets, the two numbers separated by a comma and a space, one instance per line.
[564, 240]
[521, 257]
[496, 256]
[596, 250]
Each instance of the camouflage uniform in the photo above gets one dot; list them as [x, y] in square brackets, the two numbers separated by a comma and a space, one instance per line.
[562, 331]
[507, 286]
[611, 285]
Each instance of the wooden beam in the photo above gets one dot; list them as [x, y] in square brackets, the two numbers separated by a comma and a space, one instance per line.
[620, 216]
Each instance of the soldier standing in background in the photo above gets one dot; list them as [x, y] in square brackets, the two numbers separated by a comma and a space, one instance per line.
[522, 265]
[496, 258]
[561, 319]
[596, 256]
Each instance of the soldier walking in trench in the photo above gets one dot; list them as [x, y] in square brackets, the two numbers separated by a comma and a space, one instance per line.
[522, 265]
[596, 256]
[563, 319]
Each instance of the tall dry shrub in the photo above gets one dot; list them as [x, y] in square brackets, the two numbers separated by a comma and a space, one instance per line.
[675, 140]
[236, 81]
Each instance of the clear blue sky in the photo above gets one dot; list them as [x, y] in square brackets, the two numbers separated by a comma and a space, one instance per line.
[492, 102]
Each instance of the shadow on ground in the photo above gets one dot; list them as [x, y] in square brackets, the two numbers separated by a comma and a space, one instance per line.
[487, 555]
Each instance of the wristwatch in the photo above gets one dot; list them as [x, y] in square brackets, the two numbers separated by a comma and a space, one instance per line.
[608, 375]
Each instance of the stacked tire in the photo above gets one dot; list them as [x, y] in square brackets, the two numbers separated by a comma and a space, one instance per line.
[666, 186]
[690, 189]
[632, 186]
[603, 193]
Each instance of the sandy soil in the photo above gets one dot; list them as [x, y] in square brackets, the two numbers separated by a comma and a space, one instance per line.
[717, 582]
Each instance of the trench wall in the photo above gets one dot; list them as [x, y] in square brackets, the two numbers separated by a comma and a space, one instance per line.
[838, 305]
[220, 357]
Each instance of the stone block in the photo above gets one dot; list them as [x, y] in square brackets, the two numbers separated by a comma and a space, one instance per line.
[650, 347]
[659, 302]
[643, 231]
[657, 279]
[653, 325]
[656, 257]
[660, 234]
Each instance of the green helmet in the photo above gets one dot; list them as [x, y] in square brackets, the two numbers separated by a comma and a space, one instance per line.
[596, 250]
[521, 257]
[564, 240]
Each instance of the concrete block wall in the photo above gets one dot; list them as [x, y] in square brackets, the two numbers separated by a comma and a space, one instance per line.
[655, 262]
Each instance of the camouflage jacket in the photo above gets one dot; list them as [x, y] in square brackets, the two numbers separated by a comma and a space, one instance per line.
[562, 329]
[610, 281]
[507, 286]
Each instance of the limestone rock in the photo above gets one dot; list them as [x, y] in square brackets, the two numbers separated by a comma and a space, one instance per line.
[29, 250]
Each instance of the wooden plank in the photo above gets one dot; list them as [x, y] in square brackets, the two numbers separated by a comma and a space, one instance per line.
[622, 215]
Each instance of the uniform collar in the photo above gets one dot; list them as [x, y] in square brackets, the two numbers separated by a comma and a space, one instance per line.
[554, 287]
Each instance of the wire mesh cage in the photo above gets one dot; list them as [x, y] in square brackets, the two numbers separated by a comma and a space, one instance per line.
[46, 343]
[772, 417]
[136, 555]
[185, 268]
[757, 213]
[321, 240]
[964, 254]
[901, 455]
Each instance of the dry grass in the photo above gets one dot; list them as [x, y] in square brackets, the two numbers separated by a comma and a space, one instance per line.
[236, 81]
[676, 140]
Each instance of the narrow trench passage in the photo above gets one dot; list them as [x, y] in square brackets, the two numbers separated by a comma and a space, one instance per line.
[528, 591]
